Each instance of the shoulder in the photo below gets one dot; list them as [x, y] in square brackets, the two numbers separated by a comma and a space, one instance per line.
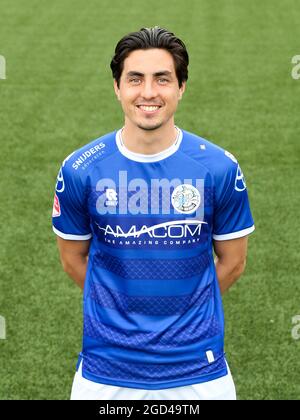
[217, 160]
[79, 162]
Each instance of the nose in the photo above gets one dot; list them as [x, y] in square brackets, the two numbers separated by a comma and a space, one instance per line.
[149, 90]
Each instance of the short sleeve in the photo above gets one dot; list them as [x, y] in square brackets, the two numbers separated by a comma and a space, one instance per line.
[70, 218]
[232, 214]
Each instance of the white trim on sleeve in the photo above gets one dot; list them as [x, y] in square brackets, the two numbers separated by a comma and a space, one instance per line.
[72, 237]
[234, 235]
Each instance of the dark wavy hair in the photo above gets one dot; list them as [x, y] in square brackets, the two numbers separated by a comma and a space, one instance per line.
[147, 38]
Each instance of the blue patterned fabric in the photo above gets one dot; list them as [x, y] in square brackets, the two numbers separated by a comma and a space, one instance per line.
[153, 315]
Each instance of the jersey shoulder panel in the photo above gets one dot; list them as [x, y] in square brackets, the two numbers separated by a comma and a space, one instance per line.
[70, 212]
[83, 159]
[216, 159]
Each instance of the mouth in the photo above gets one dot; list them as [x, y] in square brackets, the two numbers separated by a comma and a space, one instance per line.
[149, 109]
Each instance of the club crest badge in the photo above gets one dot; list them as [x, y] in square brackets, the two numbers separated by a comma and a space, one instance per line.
[186, 199]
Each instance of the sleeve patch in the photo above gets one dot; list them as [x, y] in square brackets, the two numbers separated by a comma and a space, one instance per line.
[240, 183]
[56, 207]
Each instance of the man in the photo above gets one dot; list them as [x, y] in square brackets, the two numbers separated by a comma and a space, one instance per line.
[138, 213]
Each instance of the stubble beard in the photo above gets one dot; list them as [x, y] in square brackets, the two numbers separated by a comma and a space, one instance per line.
[150, 128]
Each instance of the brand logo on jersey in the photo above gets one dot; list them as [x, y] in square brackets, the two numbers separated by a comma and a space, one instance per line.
[186, 199]
[112, 197]
[171, 229]
[240, 183]
[56, 207]
[89, 155]
[60, 184]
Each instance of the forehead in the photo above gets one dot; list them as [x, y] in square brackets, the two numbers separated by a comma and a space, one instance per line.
[149, 61]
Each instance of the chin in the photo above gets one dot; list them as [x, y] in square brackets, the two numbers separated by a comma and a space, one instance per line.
[150, 127]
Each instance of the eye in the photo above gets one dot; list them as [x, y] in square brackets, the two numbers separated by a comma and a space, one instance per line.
[135, 81]
[162, 81]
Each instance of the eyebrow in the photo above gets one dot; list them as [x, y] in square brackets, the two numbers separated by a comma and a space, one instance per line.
[157, 74]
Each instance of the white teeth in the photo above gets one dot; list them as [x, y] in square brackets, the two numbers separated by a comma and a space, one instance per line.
[149, 108]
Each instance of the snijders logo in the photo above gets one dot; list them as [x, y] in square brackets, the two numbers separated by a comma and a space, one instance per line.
[85, 159]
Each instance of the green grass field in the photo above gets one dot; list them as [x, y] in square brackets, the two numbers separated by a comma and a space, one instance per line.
[58, 96]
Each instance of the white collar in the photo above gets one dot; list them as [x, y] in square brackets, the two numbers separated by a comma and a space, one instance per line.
[138, 157]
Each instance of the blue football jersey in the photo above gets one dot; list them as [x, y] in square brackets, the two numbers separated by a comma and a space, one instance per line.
[153, 315]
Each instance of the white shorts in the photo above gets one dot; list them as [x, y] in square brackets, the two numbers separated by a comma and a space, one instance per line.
[218, 389]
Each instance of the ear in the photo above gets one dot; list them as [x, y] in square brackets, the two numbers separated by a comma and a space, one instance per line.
[182, 90]
[117, 90]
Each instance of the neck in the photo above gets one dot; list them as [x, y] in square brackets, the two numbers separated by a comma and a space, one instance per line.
[149, 142]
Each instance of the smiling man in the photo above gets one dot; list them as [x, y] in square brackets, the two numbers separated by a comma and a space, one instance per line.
[138, 214]
[149, 92]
